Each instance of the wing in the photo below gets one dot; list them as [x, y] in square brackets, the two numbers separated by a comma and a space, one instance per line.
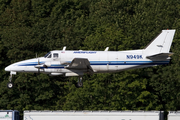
[81, 64]
[160, 56]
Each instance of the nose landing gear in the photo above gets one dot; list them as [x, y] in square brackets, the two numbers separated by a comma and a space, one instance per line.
[10, 84]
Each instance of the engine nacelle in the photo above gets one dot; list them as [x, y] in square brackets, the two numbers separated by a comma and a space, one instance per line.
[55, 74]
[74, 74]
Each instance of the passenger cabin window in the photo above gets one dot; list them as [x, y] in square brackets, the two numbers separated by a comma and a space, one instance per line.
[55, 55]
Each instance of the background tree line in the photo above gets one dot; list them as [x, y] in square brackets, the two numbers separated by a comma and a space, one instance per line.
[28, 27]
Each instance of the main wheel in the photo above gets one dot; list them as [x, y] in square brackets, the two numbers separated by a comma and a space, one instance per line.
[10, 85]
[79, 84]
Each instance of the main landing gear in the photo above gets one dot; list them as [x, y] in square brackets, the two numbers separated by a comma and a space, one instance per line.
[79, 83]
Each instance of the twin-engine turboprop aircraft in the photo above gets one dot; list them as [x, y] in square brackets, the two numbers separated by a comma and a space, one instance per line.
[78, 62]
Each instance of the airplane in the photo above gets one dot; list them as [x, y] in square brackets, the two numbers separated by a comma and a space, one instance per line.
[78, 62]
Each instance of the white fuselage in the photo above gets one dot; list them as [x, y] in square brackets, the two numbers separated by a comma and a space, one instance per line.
[100, 61]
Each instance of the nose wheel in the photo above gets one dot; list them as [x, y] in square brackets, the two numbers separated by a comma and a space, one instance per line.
[10, 84]
[79, 83]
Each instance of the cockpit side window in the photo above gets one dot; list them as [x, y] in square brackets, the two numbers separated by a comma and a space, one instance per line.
[48, 55]
[55, 55]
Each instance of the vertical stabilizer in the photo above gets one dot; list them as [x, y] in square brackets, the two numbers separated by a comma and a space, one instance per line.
[161, 44]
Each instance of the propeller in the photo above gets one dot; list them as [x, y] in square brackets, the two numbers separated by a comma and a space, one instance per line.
[38, 66]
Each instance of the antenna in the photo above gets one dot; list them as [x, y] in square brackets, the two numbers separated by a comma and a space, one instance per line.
[107, 48]
[64, 48]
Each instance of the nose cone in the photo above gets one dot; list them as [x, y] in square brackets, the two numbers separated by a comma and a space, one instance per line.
[8, 68]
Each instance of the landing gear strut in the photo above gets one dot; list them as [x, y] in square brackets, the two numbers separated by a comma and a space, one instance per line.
[79, 83]
[10, 84]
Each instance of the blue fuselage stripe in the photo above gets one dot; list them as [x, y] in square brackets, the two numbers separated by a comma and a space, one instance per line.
[56, 66]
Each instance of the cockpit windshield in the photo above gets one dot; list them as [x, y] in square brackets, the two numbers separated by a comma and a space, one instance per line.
[48, 55]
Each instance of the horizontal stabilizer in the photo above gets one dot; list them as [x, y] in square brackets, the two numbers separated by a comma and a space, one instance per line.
[160, 56]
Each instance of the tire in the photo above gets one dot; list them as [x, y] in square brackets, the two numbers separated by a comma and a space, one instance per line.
[10, 85]
[79, 84]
